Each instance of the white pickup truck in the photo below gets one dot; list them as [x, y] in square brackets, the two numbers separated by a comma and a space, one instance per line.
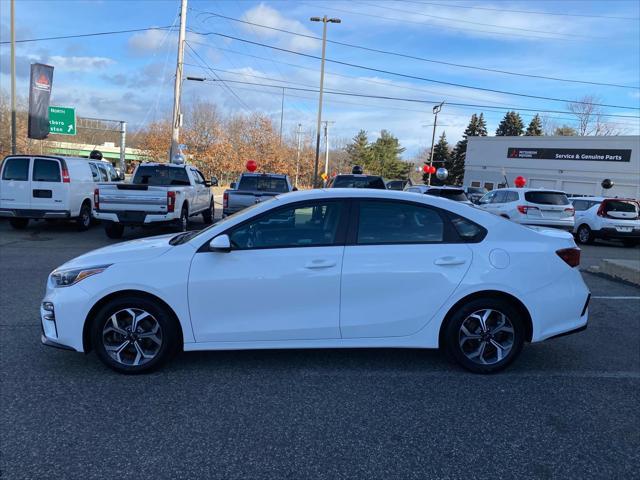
[159, 193]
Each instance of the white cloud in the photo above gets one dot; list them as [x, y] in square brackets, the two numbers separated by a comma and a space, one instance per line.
[80, 64]
[151, 41]
[265, 15]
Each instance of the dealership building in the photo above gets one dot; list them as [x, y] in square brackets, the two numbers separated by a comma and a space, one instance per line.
[576, 165]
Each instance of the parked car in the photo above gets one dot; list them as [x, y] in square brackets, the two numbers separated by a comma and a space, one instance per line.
[608, 219]
[451, 193]
[474, 194]
[51, 188]
[339, 268]
[357, 181]
[252, 188]
[159, 193]
[530, 206]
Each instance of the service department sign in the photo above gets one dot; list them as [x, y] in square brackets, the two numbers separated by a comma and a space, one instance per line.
[588, 154]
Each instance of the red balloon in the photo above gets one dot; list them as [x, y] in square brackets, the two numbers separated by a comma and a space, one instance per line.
[251, 165]
[520, 181]
[432, 169]
[426, 169]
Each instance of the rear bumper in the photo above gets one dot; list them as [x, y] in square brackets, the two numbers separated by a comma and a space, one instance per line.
[31, 213]
[561, 224]
[135, 218]
[606, 233]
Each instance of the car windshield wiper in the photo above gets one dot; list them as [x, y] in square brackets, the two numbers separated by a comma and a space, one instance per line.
[181, 238]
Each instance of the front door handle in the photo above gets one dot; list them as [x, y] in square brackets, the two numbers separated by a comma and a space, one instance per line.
[317, 264]
[450, 261]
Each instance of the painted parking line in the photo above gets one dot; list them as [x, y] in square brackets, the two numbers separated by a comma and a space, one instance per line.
[605, 297]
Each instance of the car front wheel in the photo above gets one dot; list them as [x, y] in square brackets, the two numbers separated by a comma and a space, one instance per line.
[484, 335]
[134, 335]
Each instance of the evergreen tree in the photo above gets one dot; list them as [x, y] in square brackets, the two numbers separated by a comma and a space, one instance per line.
[359, 150]
[385, 158]
[476, 128]
[511, 125]
[535, 127]
[441, 158]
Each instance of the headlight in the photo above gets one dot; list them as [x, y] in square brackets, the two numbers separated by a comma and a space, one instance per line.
[66, 278]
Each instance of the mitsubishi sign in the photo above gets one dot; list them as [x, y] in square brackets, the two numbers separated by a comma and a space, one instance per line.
[598, 155]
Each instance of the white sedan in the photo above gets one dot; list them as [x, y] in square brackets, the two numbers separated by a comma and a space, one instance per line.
[338, 268]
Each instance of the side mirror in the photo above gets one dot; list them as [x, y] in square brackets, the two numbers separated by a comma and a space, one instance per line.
[294, 189]
[214, 182]
[221, 243]
[207, 183]
[233, 185]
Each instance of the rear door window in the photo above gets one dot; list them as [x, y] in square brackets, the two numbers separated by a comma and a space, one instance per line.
[546, 198]
[16, 169]
[161, 175]
[263, 184]
[45, 170]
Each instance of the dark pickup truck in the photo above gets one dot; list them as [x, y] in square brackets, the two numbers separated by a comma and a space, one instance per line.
[252, 188]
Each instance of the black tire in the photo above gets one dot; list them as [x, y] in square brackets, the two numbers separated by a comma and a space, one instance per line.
[494, 359]
[83, 222]
[114, 230]
[631, 243]
[19, 223]
[159, 349]
[182, 223]
[584, 234]
[208, 214]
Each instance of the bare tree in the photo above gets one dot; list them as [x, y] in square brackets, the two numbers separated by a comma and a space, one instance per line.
[590, 117]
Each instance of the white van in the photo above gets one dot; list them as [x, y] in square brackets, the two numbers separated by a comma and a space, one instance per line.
[50, 187]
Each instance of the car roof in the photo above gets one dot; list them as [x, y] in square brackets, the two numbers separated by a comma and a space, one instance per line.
[66, 158]
[264, 174]
[357, 175]
[528, 189]
[161, 164]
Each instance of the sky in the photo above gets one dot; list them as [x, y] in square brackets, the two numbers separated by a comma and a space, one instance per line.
[452, 45]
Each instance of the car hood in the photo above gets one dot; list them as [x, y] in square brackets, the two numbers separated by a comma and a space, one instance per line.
[134, 250]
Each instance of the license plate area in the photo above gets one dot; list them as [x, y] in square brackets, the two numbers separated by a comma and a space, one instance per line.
[129, 216]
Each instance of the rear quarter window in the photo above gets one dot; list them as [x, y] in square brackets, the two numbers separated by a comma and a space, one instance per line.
[46, 170]
[16, 169]
[469, 232]
[546, 198]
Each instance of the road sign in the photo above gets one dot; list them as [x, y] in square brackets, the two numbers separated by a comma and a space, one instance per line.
[62, 120]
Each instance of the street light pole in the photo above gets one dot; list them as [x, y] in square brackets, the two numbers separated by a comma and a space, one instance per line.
[14, 134]
[324, 21]
[299, 135]
[176, 121]
[281, 115]
[436, 110]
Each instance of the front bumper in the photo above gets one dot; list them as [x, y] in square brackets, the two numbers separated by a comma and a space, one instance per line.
[35, 214]
[50, 343]
[63, 326]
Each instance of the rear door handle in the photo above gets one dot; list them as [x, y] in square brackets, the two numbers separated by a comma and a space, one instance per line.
[449, 261]
[317, 264]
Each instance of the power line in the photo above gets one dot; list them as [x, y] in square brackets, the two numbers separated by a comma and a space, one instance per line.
[402, 99]
[423, 59]
[244, 105]
[416, 77]
[528, 12]
[81, 35]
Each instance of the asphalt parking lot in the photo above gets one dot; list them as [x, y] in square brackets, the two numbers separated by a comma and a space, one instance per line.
[567, 409]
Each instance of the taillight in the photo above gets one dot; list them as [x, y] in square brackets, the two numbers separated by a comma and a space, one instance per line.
[571, 256]
[65, 175]
[171, 201]
[96, 198]
[525, 208]
[225, 200]
[570, 211]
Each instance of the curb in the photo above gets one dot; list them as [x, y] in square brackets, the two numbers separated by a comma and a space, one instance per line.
[627, 271]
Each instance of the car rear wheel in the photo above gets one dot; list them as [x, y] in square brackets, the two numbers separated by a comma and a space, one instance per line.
[584, 234]
[484, 335]
[19, 223]
[114, 230]
[83, 222]
[183, 221]
[134, 335]
[208, 214]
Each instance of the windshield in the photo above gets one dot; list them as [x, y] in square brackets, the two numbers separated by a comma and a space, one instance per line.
[263, 184]
[479, 190]
[160, 175]
[348, 181]
[457, 195]
[546, 198]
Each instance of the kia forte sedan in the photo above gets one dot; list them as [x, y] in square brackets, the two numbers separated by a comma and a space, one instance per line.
[335, 268]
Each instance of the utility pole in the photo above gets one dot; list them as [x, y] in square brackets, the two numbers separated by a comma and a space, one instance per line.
[123, 146]
[436, 110]
[324, 21]
[299, 138]
[14, 134]
[177, 115]
[326, 144]
[281, 115]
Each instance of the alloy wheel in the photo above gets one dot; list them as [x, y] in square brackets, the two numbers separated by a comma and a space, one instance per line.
[583, 235]
[132, 337]
[486, 336]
